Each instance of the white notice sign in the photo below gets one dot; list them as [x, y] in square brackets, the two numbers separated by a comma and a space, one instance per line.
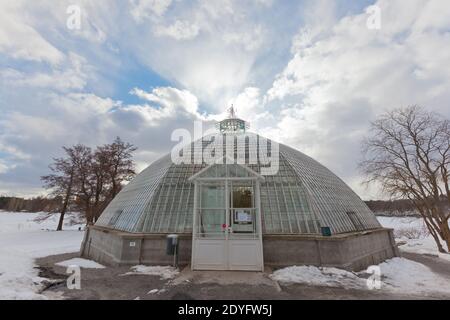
[244, 216]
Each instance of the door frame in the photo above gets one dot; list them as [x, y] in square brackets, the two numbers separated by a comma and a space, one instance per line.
[226, 241]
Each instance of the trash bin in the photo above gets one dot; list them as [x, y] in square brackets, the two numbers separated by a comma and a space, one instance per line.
[172, 248]
[172, 244]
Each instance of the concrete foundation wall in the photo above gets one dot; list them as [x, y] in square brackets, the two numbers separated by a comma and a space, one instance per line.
[113, 247]
[353, 251]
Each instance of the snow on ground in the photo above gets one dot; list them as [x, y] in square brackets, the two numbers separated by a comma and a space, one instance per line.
[397, 275]
[403, 275]
[82, 263]
[414, 234]
[323, 277]
[165, 272]
[153, 291]
[25, 221]
[22, 239]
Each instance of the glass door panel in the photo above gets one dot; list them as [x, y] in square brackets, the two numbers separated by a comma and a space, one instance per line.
[242, 209]
[242, 196]
[227, 209]
[212, 222]
[212, 210]
[212, 196]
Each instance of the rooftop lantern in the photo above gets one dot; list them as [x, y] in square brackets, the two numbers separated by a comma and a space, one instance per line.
[232, 124]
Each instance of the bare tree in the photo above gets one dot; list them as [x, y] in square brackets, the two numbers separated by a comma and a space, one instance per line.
[61, 182]
[91, 178]
[100, 169]
[121, 164]
[82, 158]
[408, 153]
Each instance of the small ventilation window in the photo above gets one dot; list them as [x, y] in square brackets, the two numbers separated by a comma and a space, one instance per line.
[115, 217]
[355, 220]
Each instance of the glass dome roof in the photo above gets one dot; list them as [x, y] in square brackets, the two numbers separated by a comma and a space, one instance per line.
[300, 198]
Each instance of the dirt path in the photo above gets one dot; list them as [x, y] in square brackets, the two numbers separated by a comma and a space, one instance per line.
[109, 283]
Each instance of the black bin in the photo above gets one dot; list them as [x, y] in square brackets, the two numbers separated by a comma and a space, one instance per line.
[172, 244]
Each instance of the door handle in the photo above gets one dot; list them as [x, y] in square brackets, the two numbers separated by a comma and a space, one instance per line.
[227, 228]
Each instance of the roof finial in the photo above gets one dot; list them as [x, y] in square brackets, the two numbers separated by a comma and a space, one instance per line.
[232, 112]
[232, 124]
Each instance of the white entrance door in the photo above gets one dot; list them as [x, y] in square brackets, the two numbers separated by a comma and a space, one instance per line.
[227, 226]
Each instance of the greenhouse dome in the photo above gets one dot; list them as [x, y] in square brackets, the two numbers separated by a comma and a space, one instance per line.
[239, 201]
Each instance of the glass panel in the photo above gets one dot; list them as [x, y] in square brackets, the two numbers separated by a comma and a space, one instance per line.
[241, 172]
[231, 170]
[211, 221]
[212, 196]
[221, 171]
[242, 213]
[212, 211]
[242, 197]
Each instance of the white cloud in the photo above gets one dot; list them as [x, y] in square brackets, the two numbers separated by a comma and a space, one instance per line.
[249, 106]
[72, 75]
[25, 126]
[20, 40]
[215, 64]
[340, 79]
[317, 97]
[180, 30]
[31, 139]
[251, 40]
[145, 9]
[170, 99]
[4, 167]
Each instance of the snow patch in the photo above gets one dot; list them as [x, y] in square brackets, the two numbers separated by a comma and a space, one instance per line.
[153, 291]
[322, 277]
[404, 275]
[164, 272]
[82, 263]
[397, 275]
[22, 239]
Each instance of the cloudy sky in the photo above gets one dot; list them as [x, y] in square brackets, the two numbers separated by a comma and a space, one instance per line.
[309, 73]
